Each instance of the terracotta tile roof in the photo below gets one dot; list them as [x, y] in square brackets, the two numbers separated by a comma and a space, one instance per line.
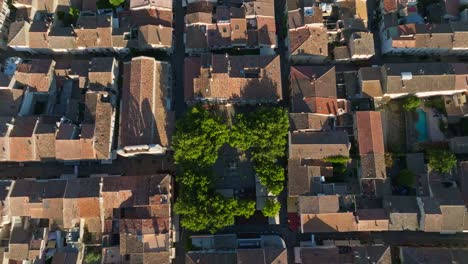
[82, 187]
[128, 191]
[36, 74]
[432, 215]
[198, 17]
[250, 78]
[100, 74]
[403, 212]
[300, 175]
[219, 35]
[94, 31]
[460, 34]
[81, 200]
[38, 199]
[370, 132]
[195, 257]
[200, 6]
[318, 204]
[373, 166]
[153, 4]
[295, 18]
[102, 119]
[362, 43]
[155, 36]
[155, 225]
[21, 137]
[65, 258]
[10, 101]
[329, 222]
[67, 145]
[266, 24]
[130, 243]
[156, 257]
[239, 31]
[196, 37]
[259, 8]
[318, 145]
[372, 220]
[45, 137]
[426, 77]
[369, 78]
[310, 121]
[61, 38]
[38, 35]
[19, 34]
[309, 40]
[314, 81]
[145, 96]
[192, 66]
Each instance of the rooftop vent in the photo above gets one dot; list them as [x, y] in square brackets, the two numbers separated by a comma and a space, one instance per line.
[405, 76]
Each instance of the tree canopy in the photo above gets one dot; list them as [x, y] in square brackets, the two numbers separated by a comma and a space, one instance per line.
[272, 208]
[211, 212]
[411, 102]
[116, 2]
[441, 160]
[199, 136]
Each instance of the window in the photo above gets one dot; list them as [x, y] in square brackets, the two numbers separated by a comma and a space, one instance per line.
[237, 26]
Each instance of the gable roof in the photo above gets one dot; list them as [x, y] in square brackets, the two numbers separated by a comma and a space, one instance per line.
[309, 40]
[145, 115]
[427, 77]
[310, 121]
[318, 145]
[318, 204]
[319, 81]
[329, 222]
[369, 132]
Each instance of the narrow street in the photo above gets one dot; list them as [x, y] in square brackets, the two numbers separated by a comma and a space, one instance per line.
[177, 59]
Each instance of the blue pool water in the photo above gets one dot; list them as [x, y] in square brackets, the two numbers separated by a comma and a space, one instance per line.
[421, 126]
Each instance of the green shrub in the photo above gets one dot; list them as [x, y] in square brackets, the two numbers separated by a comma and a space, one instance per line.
[93, 257]
[272, 208]
[337, 159]
[410, 103]
[441, 160]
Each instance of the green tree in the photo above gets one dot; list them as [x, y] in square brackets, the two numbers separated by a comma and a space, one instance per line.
[198, 137]
[269, 128]
[406, 178]
[441, 160]
[410, 103]
[241, 136]
[211, 212]
[93, 257]
[116, 2]
[272, 207]
[74, 12]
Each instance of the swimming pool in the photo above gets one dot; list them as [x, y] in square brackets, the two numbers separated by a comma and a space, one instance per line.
[421, 126]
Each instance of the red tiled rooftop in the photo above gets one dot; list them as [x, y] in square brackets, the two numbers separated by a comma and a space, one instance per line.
[370, 132]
